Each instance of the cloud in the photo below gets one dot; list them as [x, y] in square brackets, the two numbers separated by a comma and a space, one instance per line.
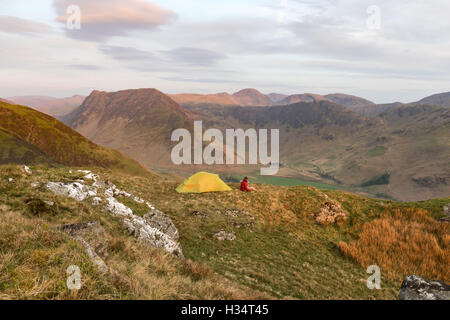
[194, 56]
[167, 61]
[128, 54]
[199, 80]
[86, 67]
[10, 24]
[136, 59]
[102, 19]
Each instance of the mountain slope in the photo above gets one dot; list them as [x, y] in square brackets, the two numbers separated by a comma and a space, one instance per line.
[224, 99]
[440, 99]
[139, 123]
[23, 127]
[56, 107]
[349, 101]
[276, 97]
[297, 98]
[15, 150]
[6, 101]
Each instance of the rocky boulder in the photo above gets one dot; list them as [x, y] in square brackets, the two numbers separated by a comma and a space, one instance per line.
[92, 232]
[330, 212]
[223, 235]
[417, 288]
[159, 220]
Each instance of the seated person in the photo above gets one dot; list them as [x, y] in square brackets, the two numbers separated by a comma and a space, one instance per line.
[245, 187]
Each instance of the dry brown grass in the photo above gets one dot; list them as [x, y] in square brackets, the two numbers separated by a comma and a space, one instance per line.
[406, 241]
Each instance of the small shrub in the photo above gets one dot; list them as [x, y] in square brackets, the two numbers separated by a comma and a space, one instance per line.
[38, 207]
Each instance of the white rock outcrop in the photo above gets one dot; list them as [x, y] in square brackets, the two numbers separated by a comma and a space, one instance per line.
[155, 228]
[152, 236]
[96, 201]
[74, 190]
[117, 208]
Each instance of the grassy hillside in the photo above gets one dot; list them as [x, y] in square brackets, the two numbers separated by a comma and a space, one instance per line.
[280, 250]
[37, 137]
[14, 150]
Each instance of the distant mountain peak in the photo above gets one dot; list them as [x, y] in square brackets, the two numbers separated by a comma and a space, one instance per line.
[252, 97]
[247, 91]
[348, 100]
[138, 122]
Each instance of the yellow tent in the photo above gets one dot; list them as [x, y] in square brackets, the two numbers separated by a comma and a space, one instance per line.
[203, 182]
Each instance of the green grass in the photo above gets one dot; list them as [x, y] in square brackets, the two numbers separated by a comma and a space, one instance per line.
[291, 182]
[376, 152]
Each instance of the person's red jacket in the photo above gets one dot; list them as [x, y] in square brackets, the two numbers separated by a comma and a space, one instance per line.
[244, 185]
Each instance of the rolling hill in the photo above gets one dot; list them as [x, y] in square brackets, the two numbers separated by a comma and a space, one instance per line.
[29, 137]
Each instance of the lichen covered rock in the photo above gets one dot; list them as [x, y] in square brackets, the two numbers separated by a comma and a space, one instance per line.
[417, 288]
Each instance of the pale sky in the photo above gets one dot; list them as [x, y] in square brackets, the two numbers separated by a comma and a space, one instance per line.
[208, 46]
